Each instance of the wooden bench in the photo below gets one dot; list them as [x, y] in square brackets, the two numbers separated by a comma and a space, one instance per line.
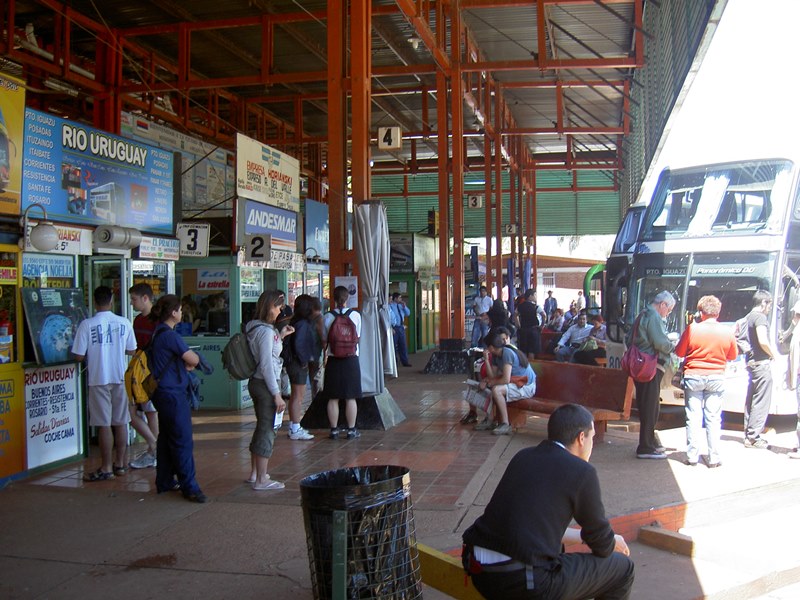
[606, 393]
[547, 337]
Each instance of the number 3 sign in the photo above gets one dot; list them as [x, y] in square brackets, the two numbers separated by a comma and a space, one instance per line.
[193, 238]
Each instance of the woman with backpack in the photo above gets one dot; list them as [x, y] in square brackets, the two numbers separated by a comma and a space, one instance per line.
[342, 370]
[266, 343]
[170, 362]
[300, 347]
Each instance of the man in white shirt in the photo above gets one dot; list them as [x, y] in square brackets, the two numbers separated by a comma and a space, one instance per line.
[580, 303]
[103, 341]
[573, 339]
[481, 306]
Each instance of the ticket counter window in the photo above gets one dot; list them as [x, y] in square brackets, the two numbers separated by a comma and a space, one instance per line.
[205, 300]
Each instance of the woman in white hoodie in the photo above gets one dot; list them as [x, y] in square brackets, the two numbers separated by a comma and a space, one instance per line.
[266, 343]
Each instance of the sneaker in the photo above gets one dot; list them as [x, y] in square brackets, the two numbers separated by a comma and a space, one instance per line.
[198, 497]
[759, 443]
[143, 461]
[651, 455]
[485, 425]
[300, 434]
[469, 419]
[794, 453]
[353, 433]
[502, 429]
[334, 434]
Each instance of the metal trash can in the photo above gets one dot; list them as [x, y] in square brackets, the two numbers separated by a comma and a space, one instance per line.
[360, 533]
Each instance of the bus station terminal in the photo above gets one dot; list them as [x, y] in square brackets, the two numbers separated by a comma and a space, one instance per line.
[694, 533]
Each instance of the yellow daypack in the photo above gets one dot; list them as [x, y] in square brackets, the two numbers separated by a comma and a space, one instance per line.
[135, 376]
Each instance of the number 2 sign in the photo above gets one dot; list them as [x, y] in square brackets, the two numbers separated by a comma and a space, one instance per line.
[258, 247]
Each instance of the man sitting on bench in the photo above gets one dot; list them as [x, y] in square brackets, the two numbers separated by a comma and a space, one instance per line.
[514, 550]
[509, 377]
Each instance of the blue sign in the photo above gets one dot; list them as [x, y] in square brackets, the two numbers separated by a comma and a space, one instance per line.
[84, 175]
[279, 223]
[317, 229]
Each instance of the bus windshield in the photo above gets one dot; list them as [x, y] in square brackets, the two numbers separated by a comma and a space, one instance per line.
[728, 199]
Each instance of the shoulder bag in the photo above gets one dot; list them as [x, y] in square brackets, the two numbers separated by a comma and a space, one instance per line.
[640, 366]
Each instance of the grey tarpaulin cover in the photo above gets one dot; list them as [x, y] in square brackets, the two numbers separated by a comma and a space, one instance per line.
[376, 347]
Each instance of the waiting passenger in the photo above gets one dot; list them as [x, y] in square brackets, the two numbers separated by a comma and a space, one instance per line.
[595, 345]
[301, 345]
[509, 377]
[573, 339]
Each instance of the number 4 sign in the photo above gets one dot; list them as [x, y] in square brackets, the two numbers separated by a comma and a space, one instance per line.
[193, 238]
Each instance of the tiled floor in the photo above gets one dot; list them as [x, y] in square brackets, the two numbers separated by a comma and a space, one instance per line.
[441, 454]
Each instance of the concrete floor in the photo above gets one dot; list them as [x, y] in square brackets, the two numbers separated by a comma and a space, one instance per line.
[63, 538]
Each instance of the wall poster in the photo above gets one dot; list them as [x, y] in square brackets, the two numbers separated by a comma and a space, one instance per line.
[53, 315]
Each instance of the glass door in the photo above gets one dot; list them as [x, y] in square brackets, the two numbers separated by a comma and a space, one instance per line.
[113, 272]
[158, 274]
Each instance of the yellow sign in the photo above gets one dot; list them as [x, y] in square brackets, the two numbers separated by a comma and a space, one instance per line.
[8, 275]
[12, 422]
[12, 119]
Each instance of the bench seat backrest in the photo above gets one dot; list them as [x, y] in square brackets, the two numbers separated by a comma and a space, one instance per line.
[594, 387]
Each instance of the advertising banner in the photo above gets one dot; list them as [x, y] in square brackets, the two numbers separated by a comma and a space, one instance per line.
[41, 270]
[157, 248]
[53, 315]
[52, 414]
[351, 283]
[213, 279]
[12, 421]
[71, 240]
[317, 229]
[84, 175]
[209, 175]
[278, 223]
[12, 118]
[266, 175]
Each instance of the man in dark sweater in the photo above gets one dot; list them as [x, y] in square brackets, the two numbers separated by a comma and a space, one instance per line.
[514, 550]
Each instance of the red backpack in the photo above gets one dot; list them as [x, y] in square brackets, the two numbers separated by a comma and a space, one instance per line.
[342, 336]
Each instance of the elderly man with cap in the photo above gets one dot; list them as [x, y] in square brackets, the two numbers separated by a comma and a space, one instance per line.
[595, 345]
[794, 367]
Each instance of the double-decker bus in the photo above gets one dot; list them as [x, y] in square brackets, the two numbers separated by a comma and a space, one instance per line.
[726, 229]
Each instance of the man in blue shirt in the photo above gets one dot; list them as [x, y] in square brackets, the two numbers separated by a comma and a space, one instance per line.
[398, 311]
[550, 304]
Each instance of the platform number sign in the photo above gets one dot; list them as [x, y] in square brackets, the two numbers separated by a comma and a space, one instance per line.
[258, 247]
[390, 138]
[475, 201]
[193, 239]
[510, 229]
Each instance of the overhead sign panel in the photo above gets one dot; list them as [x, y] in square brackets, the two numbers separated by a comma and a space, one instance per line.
[266, 175]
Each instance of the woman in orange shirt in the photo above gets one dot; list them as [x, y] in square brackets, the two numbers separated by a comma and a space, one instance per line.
[706, 347]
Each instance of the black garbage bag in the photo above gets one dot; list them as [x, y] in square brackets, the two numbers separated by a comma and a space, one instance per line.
[382, 560]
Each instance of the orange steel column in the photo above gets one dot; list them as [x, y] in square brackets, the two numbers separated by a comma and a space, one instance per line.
[534, 258]
[487, 210]
[360, 77]
[445, 271]
[337, 137]
[457, 111]
[512, 218]
[107, 108]
[498, 201]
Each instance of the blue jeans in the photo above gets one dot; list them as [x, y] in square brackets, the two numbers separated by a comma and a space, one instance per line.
[479, 330]
[400, 343]
[703, 395]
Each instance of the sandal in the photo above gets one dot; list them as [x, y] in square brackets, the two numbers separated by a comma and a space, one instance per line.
[120, 471]
[270, 485]
[98, 475]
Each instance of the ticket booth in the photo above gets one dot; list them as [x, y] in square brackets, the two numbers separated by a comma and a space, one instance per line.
[218, 298]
